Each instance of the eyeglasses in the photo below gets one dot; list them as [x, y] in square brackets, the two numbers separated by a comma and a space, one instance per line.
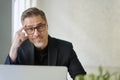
[40, 27]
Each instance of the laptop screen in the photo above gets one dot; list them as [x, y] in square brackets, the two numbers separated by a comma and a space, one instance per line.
[23, 72]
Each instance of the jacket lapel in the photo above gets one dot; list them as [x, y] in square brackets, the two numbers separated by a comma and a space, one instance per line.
[29, 53]
[52, 51]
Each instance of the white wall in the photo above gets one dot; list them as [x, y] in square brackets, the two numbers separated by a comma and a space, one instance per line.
[5, 28]
[91, 25]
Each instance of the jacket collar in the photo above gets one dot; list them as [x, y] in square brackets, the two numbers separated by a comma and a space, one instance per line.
[52, 51]
[28, 52]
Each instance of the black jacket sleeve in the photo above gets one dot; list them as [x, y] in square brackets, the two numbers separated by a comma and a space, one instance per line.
[75, 66]
[9, 61]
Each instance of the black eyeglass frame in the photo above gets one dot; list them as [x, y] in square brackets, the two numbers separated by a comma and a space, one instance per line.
[40, 27]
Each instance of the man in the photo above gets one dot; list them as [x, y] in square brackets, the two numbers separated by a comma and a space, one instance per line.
[33, 46]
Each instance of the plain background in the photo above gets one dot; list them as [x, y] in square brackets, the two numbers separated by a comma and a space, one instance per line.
[5, 28]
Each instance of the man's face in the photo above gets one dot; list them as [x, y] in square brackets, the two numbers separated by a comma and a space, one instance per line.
[37, 31]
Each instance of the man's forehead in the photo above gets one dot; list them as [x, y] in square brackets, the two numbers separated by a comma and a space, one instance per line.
[33, 19]
[34, 25]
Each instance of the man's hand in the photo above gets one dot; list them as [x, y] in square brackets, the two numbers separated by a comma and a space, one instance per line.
[19, 38]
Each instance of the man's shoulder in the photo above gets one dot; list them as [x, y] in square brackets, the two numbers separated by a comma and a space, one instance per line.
[61, 42]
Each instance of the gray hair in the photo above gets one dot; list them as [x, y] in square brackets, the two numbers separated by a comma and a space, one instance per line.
[32, 12]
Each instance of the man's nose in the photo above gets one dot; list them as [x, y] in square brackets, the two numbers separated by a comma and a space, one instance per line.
[36, 33]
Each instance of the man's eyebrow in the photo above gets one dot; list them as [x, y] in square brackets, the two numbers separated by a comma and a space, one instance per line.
[33, 25]
[39, 24]
[29, 26]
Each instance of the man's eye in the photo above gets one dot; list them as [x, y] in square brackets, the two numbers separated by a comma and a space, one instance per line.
[29, 29]
[39, 26]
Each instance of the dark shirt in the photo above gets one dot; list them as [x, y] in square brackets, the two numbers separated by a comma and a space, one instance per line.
[41, 56]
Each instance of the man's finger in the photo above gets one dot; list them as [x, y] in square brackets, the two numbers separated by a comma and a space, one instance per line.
[26, 34]
[21, 28]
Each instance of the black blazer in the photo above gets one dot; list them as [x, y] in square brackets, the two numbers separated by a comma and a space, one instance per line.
[60, 53]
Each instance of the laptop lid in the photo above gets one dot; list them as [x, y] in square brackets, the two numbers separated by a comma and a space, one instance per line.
[23, 72]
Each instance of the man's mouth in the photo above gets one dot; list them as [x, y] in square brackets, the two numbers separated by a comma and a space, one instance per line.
[38, 39]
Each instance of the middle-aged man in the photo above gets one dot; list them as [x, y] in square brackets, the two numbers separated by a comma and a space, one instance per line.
[33, 46]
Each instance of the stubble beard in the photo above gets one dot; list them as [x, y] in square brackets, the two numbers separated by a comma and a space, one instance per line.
[38, 44]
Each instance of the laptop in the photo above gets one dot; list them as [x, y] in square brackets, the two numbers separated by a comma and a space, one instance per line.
[23, 72]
